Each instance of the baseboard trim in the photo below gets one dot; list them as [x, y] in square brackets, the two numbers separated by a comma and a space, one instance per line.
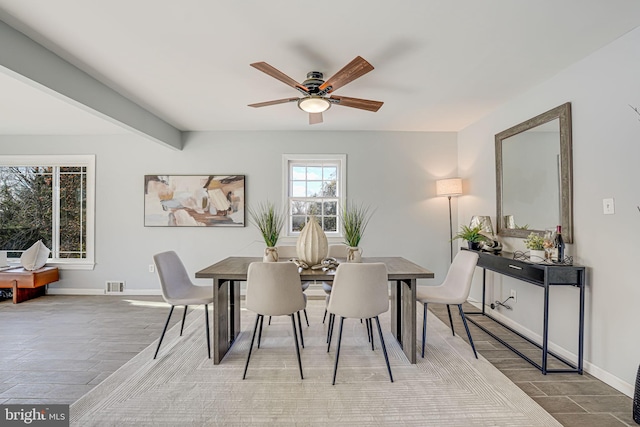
[604, 376]
[609, 379]
[78, 291]
[312, 293]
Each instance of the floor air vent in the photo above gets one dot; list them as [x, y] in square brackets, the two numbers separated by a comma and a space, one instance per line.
[114, 287]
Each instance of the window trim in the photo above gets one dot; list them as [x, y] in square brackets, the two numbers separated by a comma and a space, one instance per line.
[84, 160]
[341, 159]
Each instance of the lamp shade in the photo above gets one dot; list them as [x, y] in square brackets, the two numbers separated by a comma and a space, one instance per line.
[449, 187]
[314, 104]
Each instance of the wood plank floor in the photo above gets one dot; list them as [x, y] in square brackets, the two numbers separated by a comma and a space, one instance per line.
[573, 399]
[54, 349]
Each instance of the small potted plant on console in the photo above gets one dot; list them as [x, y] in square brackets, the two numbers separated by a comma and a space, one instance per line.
[472, 235]
[535, 244]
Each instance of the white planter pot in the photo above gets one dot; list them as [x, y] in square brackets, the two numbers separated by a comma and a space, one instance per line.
[536, 256]
[270, 255]
[354, 254]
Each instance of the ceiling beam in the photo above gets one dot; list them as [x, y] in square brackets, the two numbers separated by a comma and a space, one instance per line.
[23, 58]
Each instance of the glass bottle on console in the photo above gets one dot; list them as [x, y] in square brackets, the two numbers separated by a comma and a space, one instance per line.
[559, 245]
[549, 244]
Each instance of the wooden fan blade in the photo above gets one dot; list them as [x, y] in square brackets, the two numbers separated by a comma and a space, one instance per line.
[277, 74]
[277, 101]
[363, 104]
[315, 118]
[354, 69]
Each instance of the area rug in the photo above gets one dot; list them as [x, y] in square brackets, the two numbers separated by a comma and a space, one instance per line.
[182, 387]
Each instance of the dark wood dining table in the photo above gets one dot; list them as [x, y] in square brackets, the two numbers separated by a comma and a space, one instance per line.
[228, 273]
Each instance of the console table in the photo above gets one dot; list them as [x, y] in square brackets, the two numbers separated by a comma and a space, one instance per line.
[546, 276]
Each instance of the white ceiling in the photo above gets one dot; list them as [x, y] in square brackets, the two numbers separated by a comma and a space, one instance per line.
[439, 65]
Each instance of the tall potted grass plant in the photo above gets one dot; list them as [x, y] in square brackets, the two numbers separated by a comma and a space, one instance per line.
[354, 219]
[269, 220]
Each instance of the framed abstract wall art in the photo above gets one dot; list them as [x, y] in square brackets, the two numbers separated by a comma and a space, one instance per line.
[194, 201]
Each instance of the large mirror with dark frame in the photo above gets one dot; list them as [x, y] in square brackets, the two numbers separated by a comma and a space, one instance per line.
[534, 175]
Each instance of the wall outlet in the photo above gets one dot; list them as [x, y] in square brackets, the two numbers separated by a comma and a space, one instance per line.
[152, 268]
[514, 295]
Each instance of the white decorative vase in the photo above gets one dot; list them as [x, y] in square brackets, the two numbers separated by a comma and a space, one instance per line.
[536, 256]
[270, 255]
[354, 254]
[312, 246]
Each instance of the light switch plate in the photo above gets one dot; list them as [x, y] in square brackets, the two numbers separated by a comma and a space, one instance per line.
[608, 207]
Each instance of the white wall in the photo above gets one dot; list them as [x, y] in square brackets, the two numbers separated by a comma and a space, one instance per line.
[393, 171]
[606, 152]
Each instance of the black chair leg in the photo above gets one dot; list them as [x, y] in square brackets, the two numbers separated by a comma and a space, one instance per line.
[305, 317]
[328, 328]
[255, 328]
[269, 320]
[184, 316]
[384, 348]
[325, 316]
[164, 330]
[464, 321]
[424, 328]
[332, 321]
[370, 327]
[335, 368]
[206, 321]
[260, 333]
[300, 327]
[450, 320]
[368, 330]
[295, 337]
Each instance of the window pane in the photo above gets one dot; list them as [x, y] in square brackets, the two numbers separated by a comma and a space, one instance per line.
[330, 208]
[25, 207]
[298, 189]
[329, 223]
[299, 173]
[298, 222]
[329, 173]
[314, 173]
[315, 208]
[72, 214]
[329, 188]
[72, 169]
[314, 188]
[299, 208]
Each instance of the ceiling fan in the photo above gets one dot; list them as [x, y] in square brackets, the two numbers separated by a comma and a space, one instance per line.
[315, 90]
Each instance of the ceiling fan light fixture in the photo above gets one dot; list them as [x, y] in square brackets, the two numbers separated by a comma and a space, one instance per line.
[314, 104]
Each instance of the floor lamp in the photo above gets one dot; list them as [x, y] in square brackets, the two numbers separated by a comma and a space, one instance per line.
[449, 187]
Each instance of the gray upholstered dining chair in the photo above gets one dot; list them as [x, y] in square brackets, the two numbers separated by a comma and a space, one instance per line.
[177, 289]
[338, 251]
[287, 252]
[454, 290]
[360, 291]
[273, 289]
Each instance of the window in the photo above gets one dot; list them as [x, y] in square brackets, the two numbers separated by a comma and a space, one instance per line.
[314, 186]
[48, 198]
